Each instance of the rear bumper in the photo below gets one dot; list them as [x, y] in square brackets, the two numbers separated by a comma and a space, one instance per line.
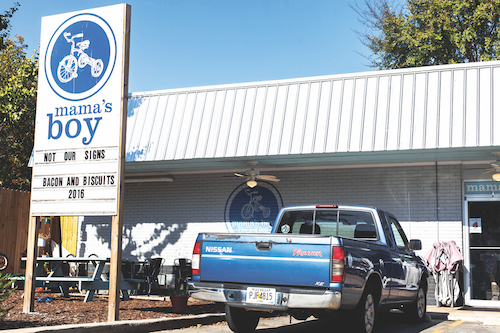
[285, 299]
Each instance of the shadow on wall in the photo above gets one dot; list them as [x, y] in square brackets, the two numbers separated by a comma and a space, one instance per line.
[140, 240]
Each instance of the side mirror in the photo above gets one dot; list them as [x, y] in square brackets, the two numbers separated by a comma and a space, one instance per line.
[415, 244]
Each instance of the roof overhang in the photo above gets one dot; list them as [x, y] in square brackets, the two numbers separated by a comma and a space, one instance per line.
[469, 155]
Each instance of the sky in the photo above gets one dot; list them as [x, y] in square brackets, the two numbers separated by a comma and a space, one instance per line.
[192, 43]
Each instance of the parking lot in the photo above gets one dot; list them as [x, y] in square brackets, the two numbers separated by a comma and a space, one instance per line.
[393, 322]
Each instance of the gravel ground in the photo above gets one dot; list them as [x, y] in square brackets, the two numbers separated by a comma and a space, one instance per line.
[73, 310]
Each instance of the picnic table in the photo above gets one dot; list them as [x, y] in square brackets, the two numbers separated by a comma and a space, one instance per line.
[91, 284]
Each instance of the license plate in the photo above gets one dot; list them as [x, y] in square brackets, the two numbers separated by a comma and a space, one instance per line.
[261, 295]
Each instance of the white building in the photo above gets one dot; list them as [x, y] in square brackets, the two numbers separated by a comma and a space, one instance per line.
[415, 142]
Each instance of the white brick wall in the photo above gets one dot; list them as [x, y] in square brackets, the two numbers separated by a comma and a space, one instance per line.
[430, 232]
[163, 219]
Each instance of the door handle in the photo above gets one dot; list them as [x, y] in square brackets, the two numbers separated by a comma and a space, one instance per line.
[263, 246]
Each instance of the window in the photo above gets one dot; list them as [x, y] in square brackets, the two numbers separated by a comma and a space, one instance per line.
[293, 222]
[387, 231]
[356, 224]
[399, 235]
[345, 223]
[327, 222]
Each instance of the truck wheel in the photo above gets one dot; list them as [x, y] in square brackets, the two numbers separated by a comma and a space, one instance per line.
[241, 321]
[417, 310]
[365, 312]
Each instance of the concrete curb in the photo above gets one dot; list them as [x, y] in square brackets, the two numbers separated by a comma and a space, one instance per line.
[130, 326]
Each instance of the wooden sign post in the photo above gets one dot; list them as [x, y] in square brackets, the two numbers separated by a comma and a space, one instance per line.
[30, 275]
[117, 221]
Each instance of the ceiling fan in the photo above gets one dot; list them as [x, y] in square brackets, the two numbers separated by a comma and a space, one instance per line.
[252, 175]
[495, 168]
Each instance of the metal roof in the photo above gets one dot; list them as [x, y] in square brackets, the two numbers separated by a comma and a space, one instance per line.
[426, 114]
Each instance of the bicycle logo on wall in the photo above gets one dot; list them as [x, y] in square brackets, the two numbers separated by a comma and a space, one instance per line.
[252, 209]
[253, 206]
[80, 57]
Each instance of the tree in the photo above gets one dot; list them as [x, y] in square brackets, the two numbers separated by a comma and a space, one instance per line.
[417, 33]
[5, 23]
[18, 88]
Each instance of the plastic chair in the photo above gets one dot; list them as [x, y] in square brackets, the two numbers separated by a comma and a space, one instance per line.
[182, 273]
[150, 273]
[69, 269]
[86, 268]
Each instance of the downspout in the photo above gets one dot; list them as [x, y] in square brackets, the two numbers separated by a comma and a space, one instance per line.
[437, 199]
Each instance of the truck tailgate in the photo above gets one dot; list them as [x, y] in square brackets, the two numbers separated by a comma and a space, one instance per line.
[285, 260]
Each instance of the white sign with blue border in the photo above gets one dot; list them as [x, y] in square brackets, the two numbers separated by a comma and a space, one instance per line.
[78, 127]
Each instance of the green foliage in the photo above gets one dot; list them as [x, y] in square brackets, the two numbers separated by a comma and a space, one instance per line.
[5, 23]
[18, 88]
[423, 32]
[5, 291]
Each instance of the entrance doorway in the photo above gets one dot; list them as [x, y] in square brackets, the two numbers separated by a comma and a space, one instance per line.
[483, 273]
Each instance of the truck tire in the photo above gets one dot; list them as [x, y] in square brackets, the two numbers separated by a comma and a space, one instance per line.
[365, 312]
[417, 310]
[241, 321]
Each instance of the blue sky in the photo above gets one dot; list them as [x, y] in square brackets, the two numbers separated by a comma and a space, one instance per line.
[189, 43]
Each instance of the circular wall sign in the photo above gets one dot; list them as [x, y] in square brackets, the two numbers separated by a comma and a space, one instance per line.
[252, 209]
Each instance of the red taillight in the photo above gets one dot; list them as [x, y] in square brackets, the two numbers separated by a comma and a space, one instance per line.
[195, 263]
[327, 206]
[338, 263]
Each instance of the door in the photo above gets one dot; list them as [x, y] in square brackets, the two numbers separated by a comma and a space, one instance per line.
[392, 269]
[407, 263]
[484, 253]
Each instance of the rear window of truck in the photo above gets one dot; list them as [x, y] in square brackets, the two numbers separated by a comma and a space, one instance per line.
[344, 223]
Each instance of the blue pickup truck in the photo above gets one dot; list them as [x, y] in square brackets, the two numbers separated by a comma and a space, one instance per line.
[317, 260]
